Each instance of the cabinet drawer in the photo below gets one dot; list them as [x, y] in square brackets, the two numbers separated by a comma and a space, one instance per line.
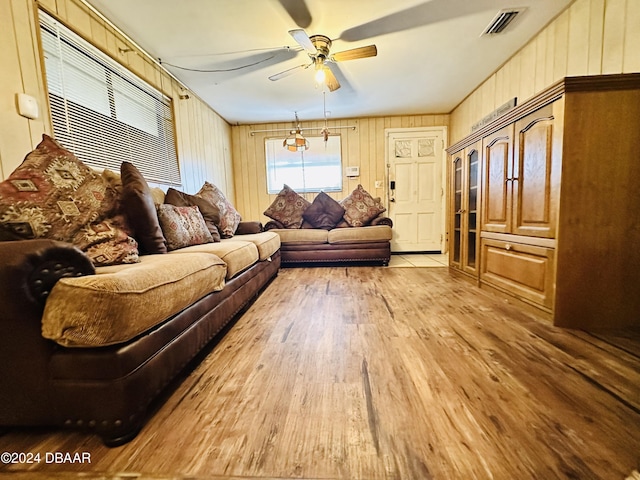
[526, 271]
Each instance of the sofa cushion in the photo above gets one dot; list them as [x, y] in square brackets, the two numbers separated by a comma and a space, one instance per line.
[287, 208]
[140, 210]
[238, 255]
[182, 226]
[360, 207]
[324, 212]
[267, 243]
[209, 211]
[229, 216]
[122, 301]
[369, 234]
[306, 236]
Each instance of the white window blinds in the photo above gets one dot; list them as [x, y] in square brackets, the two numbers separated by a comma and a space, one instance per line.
[104, 113]
[314, 170]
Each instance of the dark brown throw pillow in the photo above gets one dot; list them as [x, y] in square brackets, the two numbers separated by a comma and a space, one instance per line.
[209, 211]
[324, 212]
[140, 210]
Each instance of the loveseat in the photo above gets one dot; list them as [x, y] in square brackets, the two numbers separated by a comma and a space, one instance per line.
[91, 333]
[328, 232]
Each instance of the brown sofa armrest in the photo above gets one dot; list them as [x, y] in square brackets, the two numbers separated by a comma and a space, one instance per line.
[382, 221]
[30, 269]
[271, 224]
[246, 228]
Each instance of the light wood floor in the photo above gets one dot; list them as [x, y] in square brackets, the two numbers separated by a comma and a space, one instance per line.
[381, 373]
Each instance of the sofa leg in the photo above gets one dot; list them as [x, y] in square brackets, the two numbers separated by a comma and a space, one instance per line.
[116, 439]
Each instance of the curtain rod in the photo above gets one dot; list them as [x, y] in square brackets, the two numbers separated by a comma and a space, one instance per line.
[273, 130]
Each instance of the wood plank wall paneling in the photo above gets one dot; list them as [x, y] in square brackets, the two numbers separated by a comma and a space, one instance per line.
[203, 138]
[362, 147]
[591, 37]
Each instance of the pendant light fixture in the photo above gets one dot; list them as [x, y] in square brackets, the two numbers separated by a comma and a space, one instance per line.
[296, 142]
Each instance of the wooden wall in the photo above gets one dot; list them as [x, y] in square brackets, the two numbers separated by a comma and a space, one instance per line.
[362, 147]
[591, 37]
[203, 137]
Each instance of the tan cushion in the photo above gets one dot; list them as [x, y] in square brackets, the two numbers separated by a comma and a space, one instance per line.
[238, 255]
[303, 236]
[377, 233]
[267, 243]
[123, 301]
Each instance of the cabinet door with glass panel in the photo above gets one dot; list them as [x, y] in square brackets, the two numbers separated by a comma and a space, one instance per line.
[465, 199]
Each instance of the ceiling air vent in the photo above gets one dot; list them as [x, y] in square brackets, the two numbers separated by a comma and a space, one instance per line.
[501, 21]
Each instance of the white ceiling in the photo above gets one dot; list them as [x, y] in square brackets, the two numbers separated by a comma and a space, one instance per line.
[430, 53]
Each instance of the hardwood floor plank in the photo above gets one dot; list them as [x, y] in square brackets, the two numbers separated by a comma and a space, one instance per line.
[381, 373]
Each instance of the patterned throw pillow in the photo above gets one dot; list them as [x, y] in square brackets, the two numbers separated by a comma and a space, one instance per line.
[288, 208]
[183, 226]
[208, 210]
[360, 207]
[324, 212]
[229, 216]
[54, 195]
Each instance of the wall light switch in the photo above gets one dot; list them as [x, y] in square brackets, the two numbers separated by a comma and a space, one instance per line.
[27, 105]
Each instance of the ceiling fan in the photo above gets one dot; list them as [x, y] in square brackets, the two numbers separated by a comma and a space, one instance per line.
[318, 48]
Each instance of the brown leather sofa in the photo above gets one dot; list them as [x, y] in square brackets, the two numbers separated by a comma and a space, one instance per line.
[328, 232]
[341, 245]
[105, 389]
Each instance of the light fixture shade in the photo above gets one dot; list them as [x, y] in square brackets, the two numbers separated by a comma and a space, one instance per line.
[296, 142]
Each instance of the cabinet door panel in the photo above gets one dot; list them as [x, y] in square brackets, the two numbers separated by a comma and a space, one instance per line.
[523, 270]
[534, 186]
[497, 171]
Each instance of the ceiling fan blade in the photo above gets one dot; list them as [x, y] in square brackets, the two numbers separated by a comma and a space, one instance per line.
[330, 79]
[287, 72]
[298, 11]
[300, 36]
[425, 13]
[355, 53]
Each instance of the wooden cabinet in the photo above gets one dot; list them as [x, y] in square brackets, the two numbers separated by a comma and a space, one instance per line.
[521, 177]
[465, 208]
[560, 202]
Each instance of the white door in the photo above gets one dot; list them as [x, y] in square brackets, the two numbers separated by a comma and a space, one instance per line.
[415, 188]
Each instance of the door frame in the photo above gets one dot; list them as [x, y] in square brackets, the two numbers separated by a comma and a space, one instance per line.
[442, 129]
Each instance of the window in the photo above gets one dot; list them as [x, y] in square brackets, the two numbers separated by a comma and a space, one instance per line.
[102, 112]
[314, 170]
